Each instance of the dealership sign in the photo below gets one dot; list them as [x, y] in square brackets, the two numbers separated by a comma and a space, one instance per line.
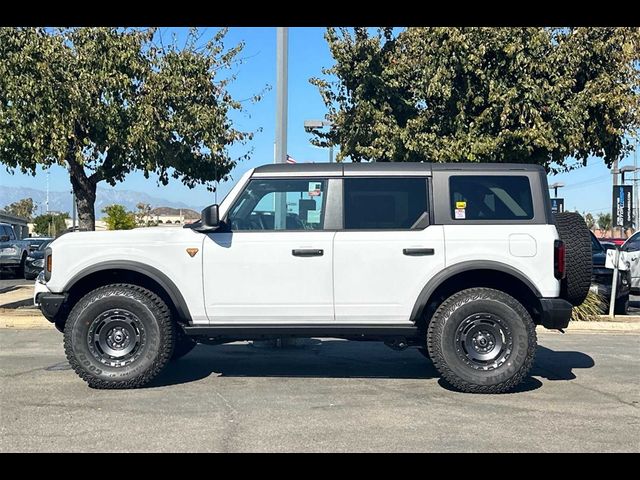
[557, 205]
[622, 214]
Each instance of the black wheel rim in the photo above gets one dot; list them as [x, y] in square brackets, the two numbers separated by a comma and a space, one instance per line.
[116, 338]
[483, 341]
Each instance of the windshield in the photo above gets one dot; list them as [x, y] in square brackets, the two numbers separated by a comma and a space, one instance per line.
[44, 245]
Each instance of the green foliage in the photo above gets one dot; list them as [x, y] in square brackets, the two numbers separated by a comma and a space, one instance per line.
[107, 101]
[530, 95]
[604, 221]
[589, 220]
[589, 310]
[50, 224]
[118, 218]
[22, 208]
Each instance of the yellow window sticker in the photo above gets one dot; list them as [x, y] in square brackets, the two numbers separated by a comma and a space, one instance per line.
[461, 204]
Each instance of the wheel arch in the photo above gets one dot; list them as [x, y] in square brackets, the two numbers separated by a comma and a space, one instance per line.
[476, 273]
[137, 273]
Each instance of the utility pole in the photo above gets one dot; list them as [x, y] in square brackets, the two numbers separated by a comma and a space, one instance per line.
[282, 54]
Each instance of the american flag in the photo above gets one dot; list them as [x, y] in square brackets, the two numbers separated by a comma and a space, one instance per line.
[290, 159]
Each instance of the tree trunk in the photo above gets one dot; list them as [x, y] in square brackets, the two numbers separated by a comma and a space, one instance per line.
[85, 189]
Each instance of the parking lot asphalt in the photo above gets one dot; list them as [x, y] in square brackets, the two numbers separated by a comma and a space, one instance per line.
[331, 395]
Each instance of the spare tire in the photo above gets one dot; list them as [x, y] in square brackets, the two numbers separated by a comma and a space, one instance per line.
[574, 233]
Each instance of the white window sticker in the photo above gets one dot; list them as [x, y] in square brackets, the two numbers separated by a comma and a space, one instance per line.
[460, 214]
[313, 216]
[315, 189]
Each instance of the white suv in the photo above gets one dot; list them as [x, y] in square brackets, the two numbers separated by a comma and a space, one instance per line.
[459, 260]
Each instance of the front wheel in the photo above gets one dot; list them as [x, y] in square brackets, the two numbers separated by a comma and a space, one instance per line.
[482, 341]
[119, 336]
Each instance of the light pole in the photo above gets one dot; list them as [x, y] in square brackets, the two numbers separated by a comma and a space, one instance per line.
[311, 125]
[282, 76]
[555, 187]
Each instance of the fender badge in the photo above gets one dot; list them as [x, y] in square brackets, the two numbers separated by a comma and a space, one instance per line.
[192, 251]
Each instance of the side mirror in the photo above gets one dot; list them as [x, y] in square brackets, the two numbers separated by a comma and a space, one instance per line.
[209, 217]
[4, 238]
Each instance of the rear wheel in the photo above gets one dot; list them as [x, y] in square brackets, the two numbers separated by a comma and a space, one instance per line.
[482, 341]
[119, 336]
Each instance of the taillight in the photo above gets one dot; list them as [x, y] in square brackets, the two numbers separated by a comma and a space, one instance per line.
[558, 259]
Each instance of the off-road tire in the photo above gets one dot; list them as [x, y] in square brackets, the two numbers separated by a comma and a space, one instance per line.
[184, 344]
[574, 233]
[156, 346]
[467, 305]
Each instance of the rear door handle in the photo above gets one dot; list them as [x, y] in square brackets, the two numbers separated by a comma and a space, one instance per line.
[307, 252]
[416, 252]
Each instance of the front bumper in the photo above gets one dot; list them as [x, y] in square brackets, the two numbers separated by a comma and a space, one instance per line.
[49, 303]
[555, 313]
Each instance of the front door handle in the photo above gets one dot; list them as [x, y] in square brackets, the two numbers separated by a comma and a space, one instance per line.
[416, 252]
[307, 252]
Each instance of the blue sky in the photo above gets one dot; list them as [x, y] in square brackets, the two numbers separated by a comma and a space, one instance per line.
[587, 189]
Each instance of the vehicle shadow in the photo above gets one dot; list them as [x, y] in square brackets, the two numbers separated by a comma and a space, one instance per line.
[341, 359]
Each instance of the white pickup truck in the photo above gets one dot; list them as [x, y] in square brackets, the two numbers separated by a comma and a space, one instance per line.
[461, 261]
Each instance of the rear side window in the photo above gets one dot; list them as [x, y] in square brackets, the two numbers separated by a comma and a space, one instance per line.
[490, 197]
[385, 203]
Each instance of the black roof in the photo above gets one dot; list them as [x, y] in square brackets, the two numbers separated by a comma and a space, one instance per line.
[385, 168]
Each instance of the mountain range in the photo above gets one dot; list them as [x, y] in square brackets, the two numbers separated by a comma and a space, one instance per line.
[61, 201]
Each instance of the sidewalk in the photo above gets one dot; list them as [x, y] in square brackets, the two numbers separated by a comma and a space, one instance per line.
[17, 311]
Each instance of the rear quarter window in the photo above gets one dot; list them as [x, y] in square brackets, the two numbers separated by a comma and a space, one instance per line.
[490, 197]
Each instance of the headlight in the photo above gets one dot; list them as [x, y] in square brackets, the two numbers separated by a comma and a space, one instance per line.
[40, 278]
[9, 251]
[39, 263]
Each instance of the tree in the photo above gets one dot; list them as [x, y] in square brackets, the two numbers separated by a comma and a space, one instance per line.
[604, 221]
[22, 208]
[530, 95]
[589, 220]
[50, 224]
[143, 213]
[106, 101]
[118, 218]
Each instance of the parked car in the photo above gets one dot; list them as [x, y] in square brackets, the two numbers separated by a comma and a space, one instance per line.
[601, 279]
[461, 261]
[35, 261]
[13, 252]
[632, 246]
[615, 241]
[35, 242]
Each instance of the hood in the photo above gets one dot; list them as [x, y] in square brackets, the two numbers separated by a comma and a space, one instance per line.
[150, 236]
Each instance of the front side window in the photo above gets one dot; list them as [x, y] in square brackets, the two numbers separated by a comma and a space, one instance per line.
[490, 197]
[633, 244]
[385, 203]
[279, 204]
